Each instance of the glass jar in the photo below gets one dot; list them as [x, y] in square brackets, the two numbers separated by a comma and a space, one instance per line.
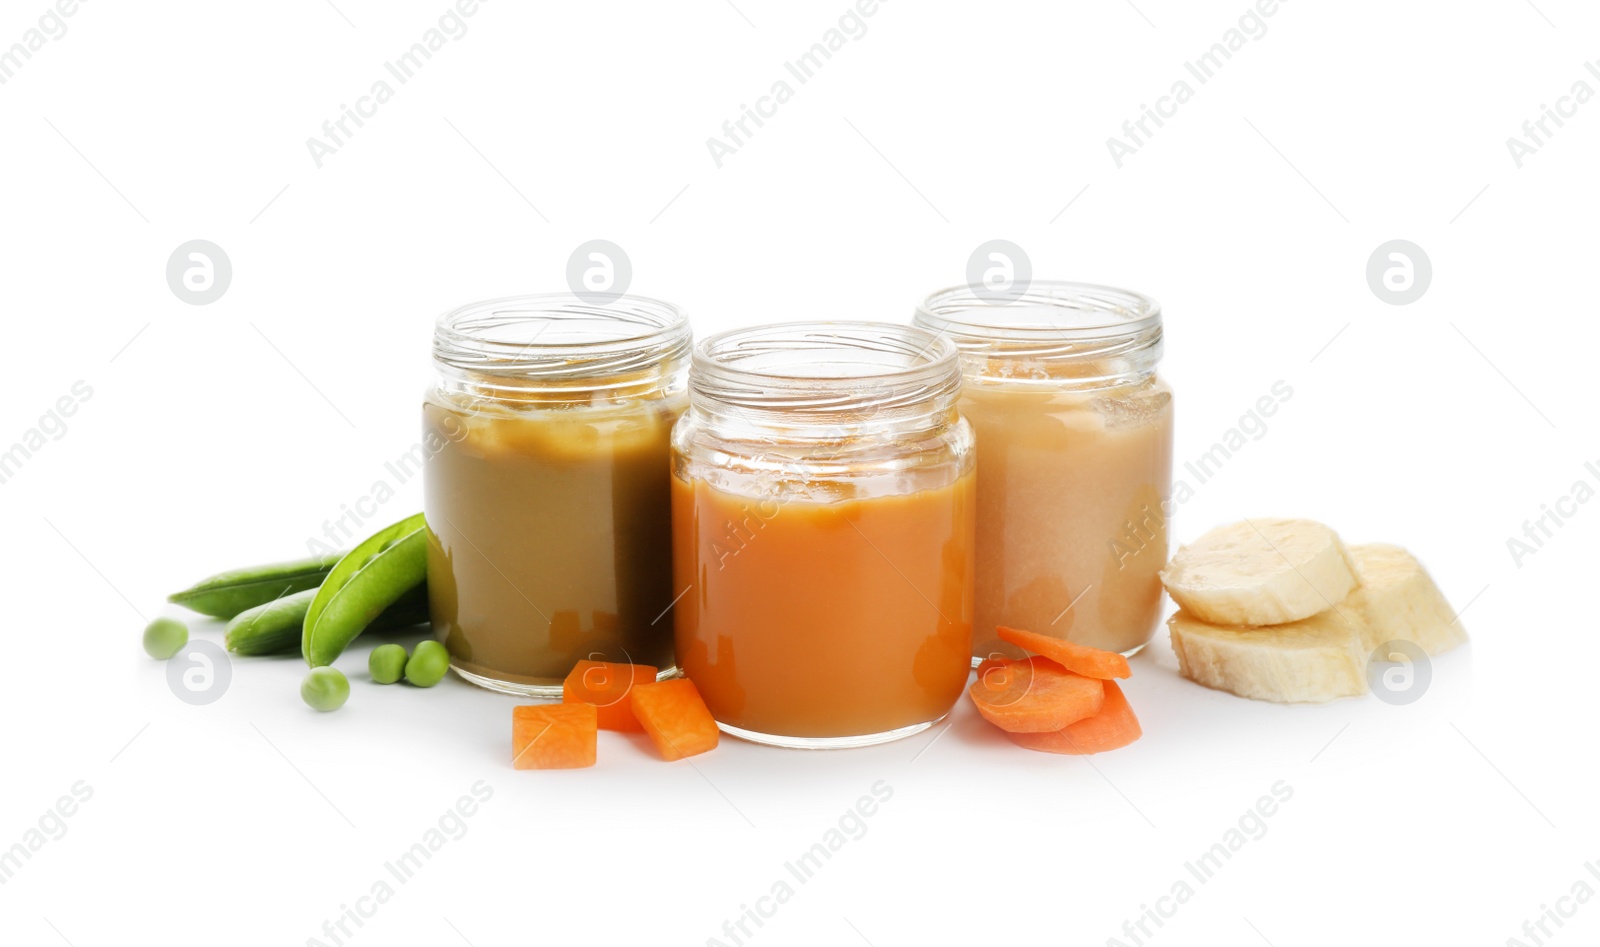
[546, 488]
[1075, 459]
[822, 510]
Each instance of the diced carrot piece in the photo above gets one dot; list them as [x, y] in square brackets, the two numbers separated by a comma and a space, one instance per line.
[609, 686]
[1114, 726]
[675, 717]
[1035, 694]
[1077, 658]
[553, 736]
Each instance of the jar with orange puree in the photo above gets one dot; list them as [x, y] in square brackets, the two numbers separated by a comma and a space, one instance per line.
[1074, 432]
[823, 532]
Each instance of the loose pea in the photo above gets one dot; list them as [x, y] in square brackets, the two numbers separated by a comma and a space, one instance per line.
[387, 663]
[428, 664]
[164, 637]
[325, 688]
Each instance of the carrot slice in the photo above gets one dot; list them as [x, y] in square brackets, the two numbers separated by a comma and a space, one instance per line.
[1035, 694]
[675, 717]
[553, 736]
[609, 686]
[995, 671]
[1080, 659]
[1114, 726]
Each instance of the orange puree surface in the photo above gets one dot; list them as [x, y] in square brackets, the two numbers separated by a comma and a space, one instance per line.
[824, 619]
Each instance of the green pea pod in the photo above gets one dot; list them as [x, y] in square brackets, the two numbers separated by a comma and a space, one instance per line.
[277, 626]
[410, 609]
[370, 578]
[271, 628]
[226, 594]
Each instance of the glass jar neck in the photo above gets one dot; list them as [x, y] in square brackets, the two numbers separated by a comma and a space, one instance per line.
[560, 350]
[825, 381]
[1053, 334]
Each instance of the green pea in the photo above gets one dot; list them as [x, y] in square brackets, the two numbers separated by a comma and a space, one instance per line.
[325, 689]
[428, 664]
[370, 578]
[387, 663]
[164, 637]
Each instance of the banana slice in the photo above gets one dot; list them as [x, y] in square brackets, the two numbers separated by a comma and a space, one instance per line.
[1324, 656]
[1312, 660]
[1261, 572]
[1398, 601]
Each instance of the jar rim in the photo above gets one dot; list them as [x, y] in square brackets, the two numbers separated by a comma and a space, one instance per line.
[1046, 310]
[560, 335]
[878, 366]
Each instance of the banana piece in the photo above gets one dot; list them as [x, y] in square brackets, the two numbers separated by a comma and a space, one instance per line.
[1324, 656]
[1398, 601]
[1312, 660]
[1261, 572]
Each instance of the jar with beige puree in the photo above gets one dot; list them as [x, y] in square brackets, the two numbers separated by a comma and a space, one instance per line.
[548, 499]
[1074, 431]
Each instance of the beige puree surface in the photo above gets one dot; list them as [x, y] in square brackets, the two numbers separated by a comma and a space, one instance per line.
[1071, 533]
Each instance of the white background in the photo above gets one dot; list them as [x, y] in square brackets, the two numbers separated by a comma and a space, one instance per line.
[226, 434]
